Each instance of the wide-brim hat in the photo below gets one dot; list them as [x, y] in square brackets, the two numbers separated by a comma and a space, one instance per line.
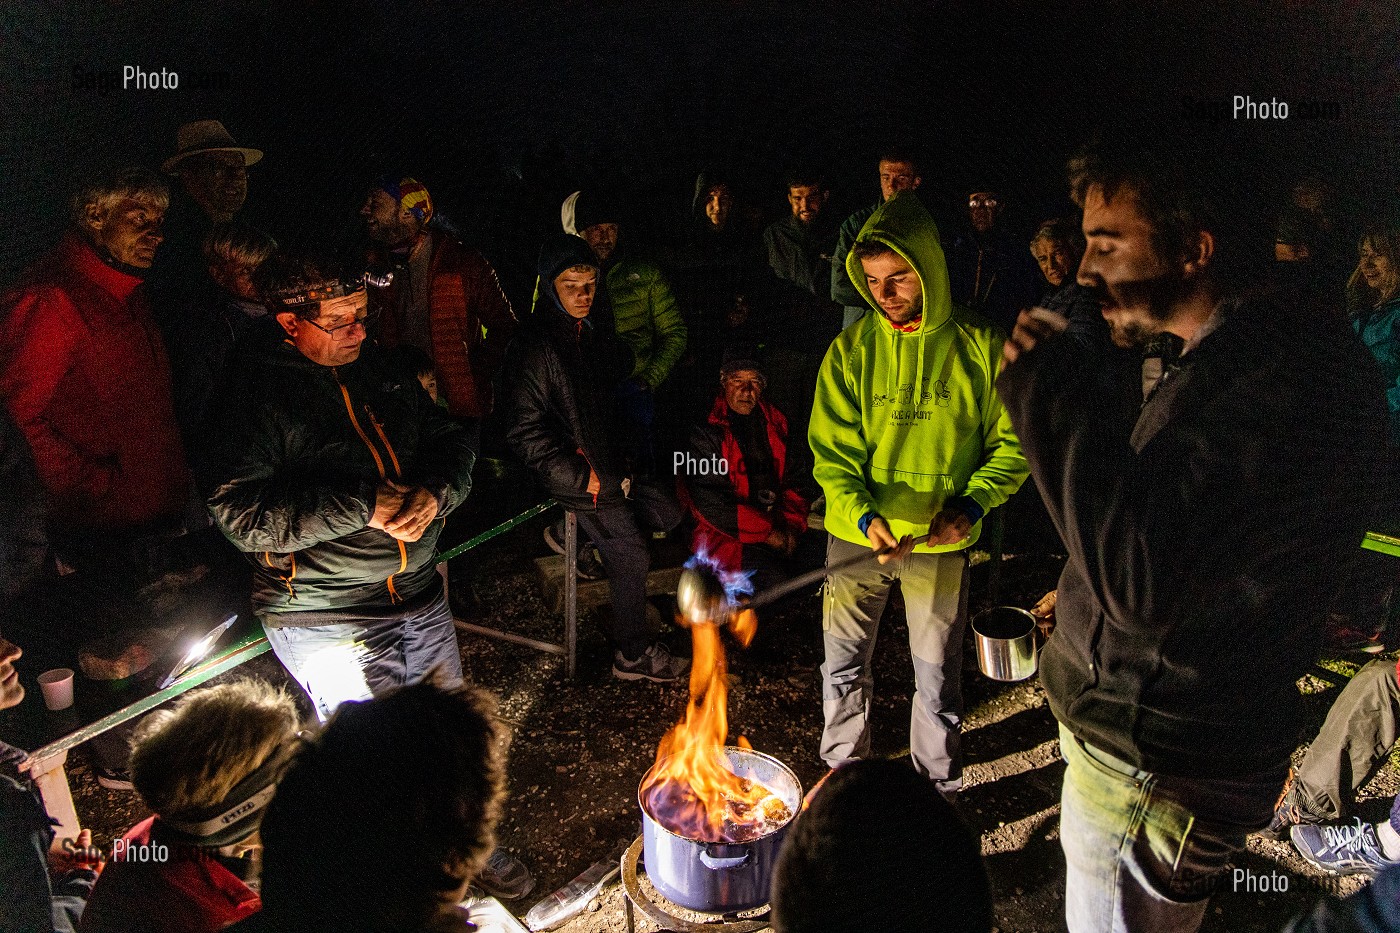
[204, 136]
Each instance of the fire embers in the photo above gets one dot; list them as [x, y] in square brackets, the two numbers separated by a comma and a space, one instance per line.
[691, 790]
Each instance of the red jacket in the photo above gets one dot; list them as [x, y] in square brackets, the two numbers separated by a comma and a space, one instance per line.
[85, 376]
[725, 520]
[463, 297]
[190, 892]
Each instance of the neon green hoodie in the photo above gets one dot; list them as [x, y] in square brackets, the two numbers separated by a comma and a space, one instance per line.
[883, 447]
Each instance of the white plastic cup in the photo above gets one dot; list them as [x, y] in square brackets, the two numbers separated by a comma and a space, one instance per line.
[57, 685]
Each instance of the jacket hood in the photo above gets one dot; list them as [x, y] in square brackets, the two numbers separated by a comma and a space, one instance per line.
[905, 225]
[560, 252]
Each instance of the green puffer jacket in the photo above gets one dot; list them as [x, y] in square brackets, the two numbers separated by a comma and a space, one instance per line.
[647, 318]
[904, 422]
[294, 485]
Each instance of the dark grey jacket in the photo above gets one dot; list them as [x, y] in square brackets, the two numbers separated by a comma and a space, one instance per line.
[1203, 548]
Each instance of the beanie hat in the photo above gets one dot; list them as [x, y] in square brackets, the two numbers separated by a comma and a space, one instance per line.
[740, 358]
[584, 209]
[410, 195]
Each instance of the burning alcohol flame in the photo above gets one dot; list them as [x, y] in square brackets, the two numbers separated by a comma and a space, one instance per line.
[691, 790]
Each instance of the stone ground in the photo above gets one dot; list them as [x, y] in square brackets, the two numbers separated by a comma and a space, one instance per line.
[578, 750]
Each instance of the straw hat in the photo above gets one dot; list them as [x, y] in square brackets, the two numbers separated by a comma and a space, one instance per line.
[206, 136]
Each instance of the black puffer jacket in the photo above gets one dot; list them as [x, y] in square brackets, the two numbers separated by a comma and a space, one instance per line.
[294, 484]
[1202, 549]
[561, 400]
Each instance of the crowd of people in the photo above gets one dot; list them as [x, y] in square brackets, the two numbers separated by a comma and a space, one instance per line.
[1207, 446]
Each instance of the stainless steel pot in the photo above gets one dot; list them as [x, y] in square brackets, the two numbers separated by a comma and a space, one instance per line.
[1005, 638]
[718, 877]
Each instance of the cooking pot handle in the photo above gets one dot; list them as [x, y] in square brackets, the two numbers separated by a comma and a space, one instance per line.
[714, 863]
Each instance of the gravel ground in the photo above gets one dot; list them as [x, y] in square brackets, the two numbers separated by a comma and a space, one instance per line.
[578, 750]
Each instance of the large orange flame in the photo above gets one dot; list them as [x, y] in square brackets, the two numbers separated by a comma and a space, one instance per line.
[691, 790]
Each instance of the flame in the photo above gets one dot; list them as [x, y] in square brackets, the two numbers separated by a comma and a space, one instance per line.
[691, 790]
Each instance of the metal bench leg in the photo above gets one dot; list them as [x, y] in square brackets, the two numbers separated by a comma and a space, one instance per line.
[570, 593]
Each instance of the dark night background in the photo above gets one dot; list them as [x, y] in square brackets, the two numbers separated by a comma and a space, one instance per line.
[503, 109]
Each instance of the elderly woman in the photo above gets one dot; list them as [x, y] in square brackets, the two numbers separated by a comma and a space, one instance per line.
[1374, 290]
[1057, 247]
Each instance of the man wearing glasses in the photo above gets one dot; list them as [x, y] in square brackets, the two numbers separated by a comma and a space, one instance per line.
[334, 479]
[987, 268]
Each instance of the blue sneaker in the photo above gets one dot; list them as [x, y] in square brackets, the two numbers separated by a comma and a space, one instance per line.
[1341, 849]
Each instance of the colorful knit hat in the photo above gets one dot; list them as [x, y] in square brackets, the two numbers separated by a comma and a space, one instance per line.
[410, 195]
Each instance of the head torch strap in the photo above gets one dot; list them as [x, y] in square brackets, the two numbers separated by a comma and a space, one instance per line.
[236, 816]
[315, 296]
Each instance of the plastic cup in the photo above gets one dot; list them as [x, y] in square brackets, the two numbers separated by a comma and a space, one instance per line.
[57, 685]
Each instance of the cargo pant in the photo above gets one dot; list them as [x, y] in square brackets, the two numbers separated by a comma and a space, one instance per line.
[1361, 727]
[935, 599]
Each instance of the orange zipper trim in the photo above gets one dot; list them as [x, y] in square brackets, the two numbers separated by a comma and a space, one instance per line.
[350, 410]
[285, 578]
[394, 596]
[379, 429]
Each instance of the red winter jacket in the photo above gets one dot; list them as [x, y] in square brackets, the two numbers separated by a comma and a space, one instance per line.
[463, 297]
[190, 892]
[725, 520]
[85, 376]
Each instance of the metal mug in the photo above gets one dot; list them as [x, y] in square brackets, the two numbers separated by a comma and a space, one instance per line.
[1005, 638]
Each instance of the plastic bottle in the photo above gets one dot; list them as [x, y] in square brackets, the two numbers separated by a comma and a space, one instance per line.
[572, 897]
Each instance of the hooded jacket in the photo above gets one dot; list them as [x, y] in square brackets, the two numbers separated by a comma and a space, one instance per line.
[560, 406]
[904, 423]
[295, 483]
[645, 313]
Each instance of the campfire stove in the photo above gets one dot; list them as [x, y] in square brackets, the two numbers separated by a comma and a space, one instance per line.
[634, 897]
[710, 874]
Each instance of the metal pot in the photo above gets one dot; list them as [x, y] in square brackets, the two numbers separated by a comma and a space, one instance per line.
[716, 877]
[1005, 637]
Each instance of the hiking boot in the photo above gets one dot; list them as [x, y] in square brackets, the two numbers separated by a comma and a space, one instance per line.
[1347, 634]
[1341, 849]
[590, 565]
[656, 664]
[1288, 812]
[505, 877]
[554, 536]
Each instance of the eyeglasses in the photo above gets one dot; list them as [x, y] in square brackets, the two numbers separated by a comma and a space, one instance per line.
[365, 319]
[982, 202]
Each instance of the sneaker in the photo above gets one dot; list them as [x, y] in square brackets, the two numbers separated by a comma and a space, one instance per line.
[1289, 813]
[113, 778]
[1342, 849]
[554, 536]
[1345, 634]
[505, 877]
[656, 665]
[590, 565]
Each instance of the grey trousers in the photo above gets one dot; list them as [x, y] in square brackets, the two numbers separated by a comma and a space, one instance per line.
[1361, 727]
[935, 598]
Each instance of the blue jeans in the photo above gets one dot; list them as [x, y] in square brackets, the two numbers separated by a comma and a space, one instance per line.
[371, 652]
[1141, 855]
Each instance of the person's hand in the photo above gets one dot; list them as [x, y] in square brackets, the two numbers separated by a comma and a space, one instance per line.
[881, 537]
[1031, 328]
[782, 540]
[388, 501]
[419, 508]
[72, 854]
[11, 690]
[948, 527]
